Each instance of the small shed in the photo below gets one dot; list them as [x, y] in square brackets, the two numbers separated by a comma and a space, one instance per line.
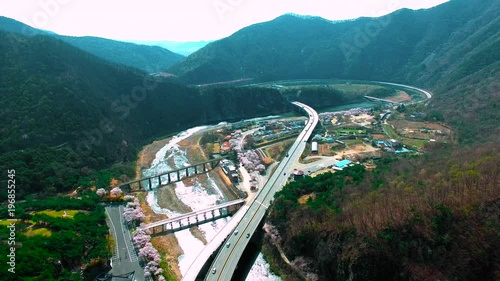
[314, 148]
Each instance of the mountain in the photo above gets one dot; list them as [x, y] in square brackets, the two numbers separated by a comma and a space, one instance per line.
[147, 58]
[183, 48]
[66, 113]
[451, 49]
[395, 47]
[434, 217]
[150, 59]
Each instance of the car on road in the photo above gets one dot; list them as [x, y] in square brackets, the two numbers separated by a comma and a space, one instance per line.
[228, 244]
[214, 270]
[287, 155]
[248, 235]
[236, 232]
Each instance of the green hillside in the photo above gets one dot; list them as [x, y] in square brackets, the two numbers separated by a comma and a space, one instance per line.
[150, 59]
[451, 49]
[397, 47]
[66, 113]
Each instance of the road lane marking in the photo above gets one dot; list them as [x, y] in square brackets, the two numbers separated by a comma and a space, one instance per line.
[261, 204]
[117, 254]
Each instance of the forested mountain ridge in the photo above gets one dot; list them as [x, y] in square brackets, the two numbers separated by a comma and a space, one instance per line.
[434, 217]
[395, 47]
[146, 58]
[452, 49]
[69, 112]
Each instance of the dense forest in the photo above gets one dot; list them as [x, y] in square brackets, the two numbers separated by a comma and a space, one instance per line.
[434, 217]
[149, 59]
[66, 113]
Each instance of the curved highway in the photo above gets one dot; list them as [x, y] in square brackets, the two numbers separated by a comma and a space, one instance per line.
[426, 93]
[225, 263]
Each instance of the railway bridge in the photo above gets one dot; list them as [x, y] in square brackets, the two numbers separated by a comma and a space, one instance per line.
[165, 178]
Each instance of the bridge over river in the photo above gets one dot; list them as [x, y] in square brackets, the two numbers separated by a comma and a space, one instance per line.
[166, 178]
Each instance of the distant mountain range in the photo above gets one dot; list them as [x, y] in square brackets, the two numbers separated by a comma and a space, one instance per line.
[150, 59]
[60, 100]
[183, 48]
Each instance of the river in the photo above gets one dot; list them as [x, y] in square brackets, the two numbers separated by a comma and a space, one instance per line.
[198, 196]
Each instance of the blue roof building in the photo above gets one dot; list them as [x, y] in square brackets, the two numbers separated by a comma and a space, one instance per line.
[342, 164]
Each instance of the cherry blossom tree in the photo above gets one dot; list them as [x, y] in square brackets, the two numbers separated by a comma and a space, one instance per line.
[116, 192]
[133, 214]
[260, 168]
[101, 192]
[250, 160]
[133, 211]
[141, 238]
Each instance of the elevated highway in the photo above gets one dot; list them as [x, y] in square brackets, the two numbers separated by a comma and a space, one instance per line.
[227, 259]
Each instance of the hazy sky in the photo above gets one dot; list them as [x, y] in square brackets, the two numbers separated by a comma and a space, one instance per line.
[182, 20]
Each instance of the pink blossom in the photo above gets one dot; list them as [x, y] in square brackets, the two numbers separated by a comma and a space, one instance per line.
[101, 192]
[117, 192]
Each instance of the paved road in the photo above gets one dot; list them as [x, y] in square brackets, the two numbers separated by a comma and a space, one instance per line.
[426, 93]
[322, 162]
[124, 258]
[227, 259]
